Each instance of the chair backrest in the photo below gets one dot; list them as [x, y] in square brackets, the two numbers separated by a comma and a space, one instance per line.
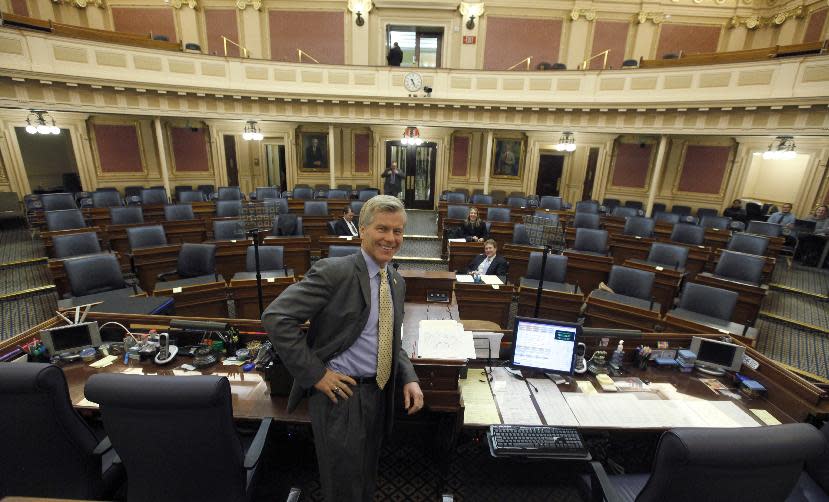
[668, 255]
[587, 206]
[228, 208]
[263, 193]
[708, 300]
[179, 212]
[550, 202]
[631, 282]
[501, 214]
[226, 230]
[141, 413]
[230, 193]
[748, 243]
[480, 198]
[304, 193]
[92, 274]
[553, 217]
[126, 215]
[179, 189]
[755, 210]
[639, 226]
[58, 201]
[279, 224]
[630, 63]
[818, 468]
[146, 237]
[153, 196]
[315, 208]
[196, 259]
[681, 210]
[498, 196]
[357, 206]
[48, 448]
[207, 190]
[106, 198]
[321, 193]
[555, 269]
[66, 246]
[663, 217]
[132, 191]
[740, 266]
[706, 211]
[457, 212]
[756, 464]
[611, 203]
[590, 240]
[331, 226]
[721, 222]
[339, 194]
[270, 258]
[658, 207]
[367, 193]
[688, 234]
[764, 228]
[623, 212]
[338, 251]
[634, 204]
[189, 196]
[455, 198]
[517, 202]
[519, 235]
[586, 220]
[64, 219]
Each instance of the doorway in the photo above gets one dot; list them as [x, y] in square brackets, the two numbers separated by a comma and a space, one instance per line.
[550, 169]
[49, 160]
[417, 165]
[590, 175]
[421, 45]
[230, 160]
[275, 158]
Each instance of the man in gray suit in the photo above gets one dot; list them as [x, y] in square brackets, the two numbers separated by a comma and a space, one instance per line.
[351, 359]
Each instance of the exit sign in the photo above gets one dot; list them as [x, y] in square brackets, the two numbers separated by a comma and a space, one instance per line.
[469, 39]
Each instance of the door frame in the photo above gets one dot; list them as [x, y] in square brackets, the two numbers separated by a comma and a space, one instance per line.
[409, 180]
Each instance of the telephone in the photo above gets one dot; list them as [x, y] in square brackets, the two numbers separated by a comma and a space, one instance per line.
[166, 352]
[581, 364]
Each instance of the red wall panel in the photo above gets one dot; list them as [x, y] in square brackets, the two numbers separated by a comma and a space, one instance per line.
[814, 28]
[320, 34]
[20, 7]
[218, 22]
[362, 148]
[189, 149]
[460, 155]
[118, 148]
[704, 168]
[611, 35]
[511, 39]
[631, 166]
[689, 39]
[158, 21]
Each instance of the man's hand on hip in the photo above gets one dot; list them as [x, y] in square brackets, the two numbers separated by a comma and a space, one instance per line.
[412, 397]
[335, 385]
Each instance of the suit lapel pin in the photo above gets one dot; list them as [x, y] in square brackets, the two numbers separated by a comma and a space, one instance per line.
[395, 281]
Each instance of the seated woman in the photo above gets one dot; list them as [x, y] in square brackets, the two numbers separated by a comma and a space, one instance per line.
[488, 263]
[474, 228]
[811, 245]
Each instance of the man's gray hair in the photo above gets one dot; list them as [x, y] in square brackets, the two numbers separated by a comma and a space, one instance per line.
[380, 204]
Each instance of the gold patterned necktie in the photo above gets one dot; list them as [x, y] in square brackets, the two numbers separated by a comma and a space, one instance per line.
[384, 331]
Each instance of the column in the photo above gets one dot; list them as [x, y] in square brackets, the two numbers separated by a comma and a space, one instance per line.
[788, 31]
[96, 18]
[162, 154]
[469, 50]
[656, 180]
[189, 26]
[488, 160]
[359, 41]
[736, 38]
[577, 42]
[645, 34]
[252, 34]
[332, 164]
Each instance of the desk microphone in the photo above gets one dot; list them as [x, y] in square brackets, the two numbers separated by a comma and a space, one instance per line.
[652, 301]
[745, 329]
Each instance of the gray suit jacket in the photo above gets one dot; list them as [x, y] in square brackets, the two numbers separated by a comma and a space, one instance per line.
[334, 296]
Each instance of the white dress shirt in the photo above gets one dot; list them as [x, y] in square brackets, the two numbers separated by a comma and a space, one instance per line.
[484, 266]
[351, 227]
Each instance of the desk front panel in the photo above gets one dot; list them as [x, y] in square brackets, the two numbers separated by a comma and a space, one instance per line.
[326, 241]
[208, 300]
[149, 262]
[587, 270]
[231, 256]
[666, 283]
[462, 253]
[749, 303]
[246, 297]
[296, 252]
[554, 304]
[419, 283]
[602, 313]
[484, 302]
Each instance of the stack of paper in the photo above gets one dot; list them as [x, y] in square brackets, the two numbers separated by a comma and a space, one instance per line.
[513, 399]
[444, 340]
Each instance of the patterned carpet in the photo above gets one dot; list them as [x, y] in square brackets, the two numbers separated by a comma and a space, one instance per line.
[421, 222]
[796, 347]
[16, 243]
[806, 309]
[808, 279]
[23, 276]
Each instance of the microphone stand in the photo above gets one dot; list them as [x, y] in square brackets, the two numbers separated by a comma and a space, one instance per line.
[254, 232]
[547, 249]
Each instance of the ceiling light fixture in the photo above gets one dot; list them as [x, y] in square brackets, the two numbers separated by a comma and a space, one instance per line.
[783, 151]
[252, 132]
[566, 143]
[411, 136]
[39, 125]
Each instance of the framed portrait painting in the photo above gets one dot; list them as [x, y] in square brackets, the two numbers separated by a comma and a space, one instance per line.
[507, 157]
[313, 151]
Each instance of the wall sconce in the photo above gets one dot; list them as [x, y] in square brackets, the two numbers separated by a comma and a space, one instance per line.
[360, 21]
[39, 125]
[471, 10]
[252, 132]
[359, 8]
[783, 151]
[470, 25]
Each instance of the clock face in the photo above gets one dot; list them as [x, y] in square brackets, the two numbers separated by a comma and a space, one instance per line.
[413, 82]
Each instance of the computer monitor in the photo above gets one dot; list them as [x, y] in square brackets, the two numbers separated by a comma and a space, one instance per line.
[715, 357]
[72, 338]
[544, 345]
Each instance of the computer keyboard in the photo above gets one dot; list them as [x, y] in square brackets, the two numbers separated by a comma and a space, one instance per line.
[536, 441]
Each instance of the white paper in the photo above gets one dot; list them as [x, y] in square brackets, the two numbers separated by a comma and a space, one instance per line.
[456, 240]
[491, 279]
[552, 404]
[487, 344]
[513, 399]
[444, 340]
[464, 278]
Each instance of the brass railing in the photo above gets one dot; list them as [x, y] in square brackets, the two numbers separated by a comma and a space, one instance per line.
[301, 53]
[526, 60]
[591, 58]
[226, 40]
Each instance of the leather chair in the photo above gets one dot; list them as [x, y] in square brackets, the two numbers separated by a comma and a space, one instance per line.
[304, 193]
[179, 189]
[194, 260]
[813, 485]
[658, 207]
[634, 204]
[587, 206]
[126, 215]
[587, 220]
[550, 202]
[263, 193]
[367, 193]
[720, 222]
[230, 193]
[190, 196]
[681, 210]
[146, 237]
[517, 202]
[58, 201]
[764, 228]
[281, 205]
[740, 267]
[663, 217]
[106, 198]
[132, 191]
[339, 251]
[227, 230]
[631, 282]
[270, 258]
[519, 235]
[591, 241]
[623, 212]
[331, 227]
[64, 219]
[177, 437]
[339, 194]
[501, 214]
[749, 244]
[668, 255]
[153, 196]
[66, 246]
[498, 196]
[321, 193]
[688, 234]
[706, 300]
[297, 231]
[480, 198]
[98, 273]
[553, 217]
[554, 271]
[706, 211]
[357, 206]
[49, 450]
[228, 208]
[315, 208]
[207, 190]
[747, 464]
[457, 212]
[639, 226]
[464, 191]
[611, 203]
[455, 198]
[179, 212]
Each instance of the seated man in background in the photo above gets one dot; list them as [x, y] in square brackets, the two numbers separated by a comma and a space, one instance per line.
[488, 263]
[811, 245]
[736, 211]
[784, 216]
[346, 225]
[474, 228]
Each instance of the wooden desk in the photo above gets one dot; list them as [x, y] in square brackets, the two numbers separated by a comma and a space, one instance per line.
[181, 231]
[698, 257]
[518, 256]
[666, 283]
[606, 313]
[677, 324]
[717, 238]
[501, 232]
[315, 227]
[147, 263]
[297, 252]
[750, 301]
[246, 297]
[48, 236]
[209, 300]
[58, 272]
[419, 283]
[484, 302]
[335, 207]
[231, 256]
[558, 303]
[326, 241]
[627, 247]
[462, 253]
[587, 270]
[117, 236]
